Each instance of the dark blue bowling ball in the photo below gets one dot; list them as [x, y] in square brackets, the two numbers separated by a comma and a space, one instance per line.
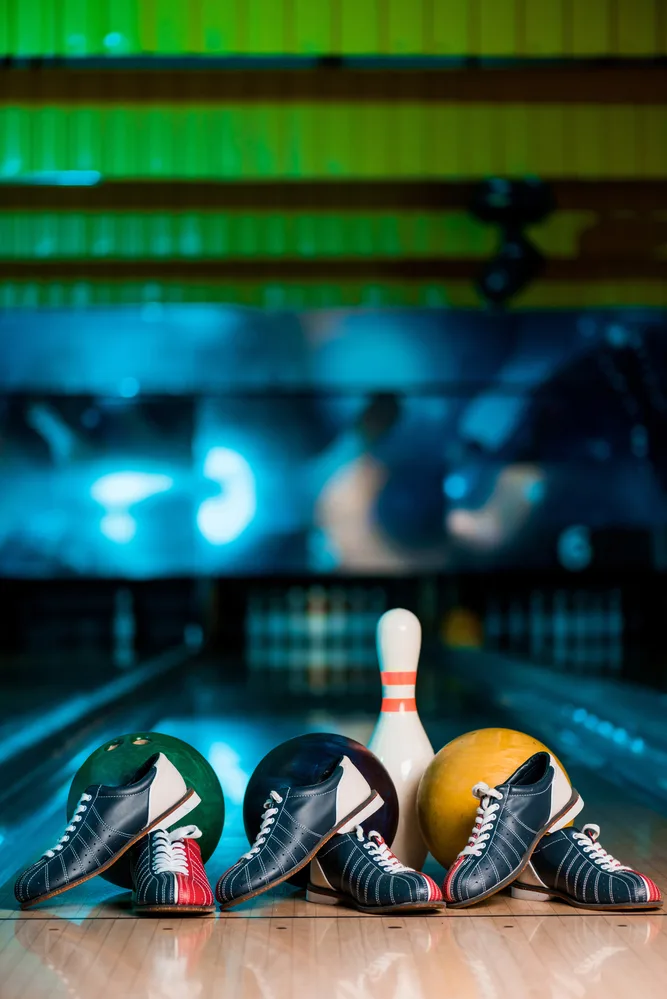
[308, 759]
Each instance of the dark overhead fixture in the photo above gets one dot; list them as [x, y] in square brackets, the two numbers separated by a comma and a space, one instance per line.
[512, 205]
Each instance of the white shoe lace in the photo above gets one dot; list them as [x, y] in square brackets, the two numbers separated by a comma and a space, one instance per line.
[588, 836]
[71, 828]
[487, 812]
[170, 854]
[380, 852]
[267, 821]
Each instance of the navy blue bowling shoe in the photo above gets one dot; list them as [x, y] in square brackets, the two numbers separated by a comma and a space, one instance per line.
[168, 875]
[296, 823]
[360, 871]
[511, 820]
[572, 866]
[107, 822]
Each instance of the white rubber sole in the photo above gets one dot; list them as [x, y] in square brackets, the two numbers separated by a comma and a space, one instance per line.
[530, 896]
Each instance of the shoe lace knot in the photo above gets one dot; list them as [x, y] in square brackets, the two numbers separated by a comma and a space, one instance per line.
[588, 838]
[268, 818]
[170, 853]
[379, 851]
[487, 813]
[71, 828]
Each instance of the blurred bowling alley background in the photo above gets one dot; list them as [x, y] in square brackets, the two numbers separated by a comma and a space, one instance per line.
[311, 310]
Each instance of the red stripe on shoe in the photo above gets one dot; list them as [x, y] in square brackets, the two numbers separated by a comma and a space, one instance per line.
[195, 885]
[434, 892]
[653, 892]
[448, 880]
[183, 892]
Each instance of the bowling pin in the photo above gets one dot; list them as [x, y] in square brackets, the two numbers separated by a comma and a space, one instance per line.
[399, 739]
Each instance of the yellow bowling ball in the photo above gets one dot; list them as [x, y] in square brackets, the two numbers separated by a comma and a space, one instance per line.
[445, 804]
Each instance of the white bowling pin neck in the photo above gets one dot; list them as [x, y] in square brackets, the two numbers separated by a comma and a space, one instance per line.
[399, 637]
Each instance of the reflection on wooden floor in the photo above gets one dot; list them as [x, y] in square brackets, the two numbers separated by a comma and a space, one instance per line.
[330, 958]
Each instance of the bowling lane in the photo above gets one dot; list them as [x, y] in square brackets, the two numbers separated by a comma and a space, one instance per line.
[278, 946]
[234, 731]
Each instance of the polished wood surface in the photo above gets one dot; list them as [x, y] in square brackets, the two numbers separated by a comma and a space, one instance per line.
[512, 953]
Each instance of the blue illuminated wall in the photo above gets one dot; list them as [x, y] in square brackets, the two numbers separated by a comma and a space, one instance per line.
[173, 440]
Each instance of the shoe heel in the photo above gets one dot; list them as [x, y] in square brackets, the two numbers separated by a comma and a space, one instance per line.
[313, 895]
[181, 811]
[567, 817]
[530, 896]
[357, 818]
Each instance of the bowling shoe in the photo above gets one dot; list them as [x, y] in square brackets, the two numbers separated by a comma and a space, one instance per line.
[297, 821]
[571, 865]
[107, 822]
[168, 874]
[360, 871]
[511, 820]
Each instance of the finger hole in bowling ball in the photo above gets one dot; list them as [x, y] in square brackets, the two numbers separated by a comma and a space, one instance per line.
[140, 741]
[113, 745]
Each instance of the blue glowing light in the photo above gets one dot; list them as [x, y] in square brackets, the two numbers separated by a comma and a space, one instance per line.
[534, 491]
[227, 764]
[221, 519]
[575, 550]
[118, 526]
[61, 178]
[607, 730]
[618, 336]
[128, 388]
[455, 486]
[122, 489]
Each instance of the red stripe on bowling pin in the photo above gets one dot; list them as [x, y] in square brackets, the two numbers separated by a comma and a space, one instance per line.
[398, 704]
[398, 690]
[398, 677]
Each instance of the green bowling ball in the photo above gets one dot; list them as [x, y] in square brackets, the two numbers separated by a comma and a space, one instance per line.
[117, 760]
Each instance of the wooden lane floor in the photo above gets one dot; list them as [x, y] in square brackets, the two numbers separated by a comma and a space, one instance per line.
[514, 954]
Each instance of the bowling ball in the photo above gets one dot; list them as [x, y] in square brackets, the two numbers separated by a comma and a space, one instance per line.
[307, 760]
[117, 760]
[462, 629]
[446, 807]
